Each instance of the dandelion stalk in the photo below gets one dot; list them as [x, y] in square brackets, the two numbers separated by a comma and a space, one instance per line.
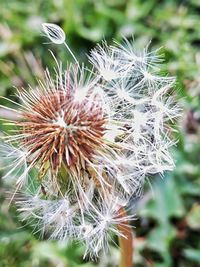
[125, 242]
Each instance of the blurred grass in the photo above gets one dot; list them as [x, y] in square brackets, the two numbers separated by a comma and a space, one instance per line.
[168, 228]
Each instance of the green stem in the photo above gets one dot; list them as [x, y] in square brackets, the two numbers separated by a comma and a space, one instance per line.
[125, 242]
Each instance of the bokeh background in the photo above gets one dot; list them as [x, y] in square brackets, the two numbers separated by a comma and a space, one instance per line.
[167, 231]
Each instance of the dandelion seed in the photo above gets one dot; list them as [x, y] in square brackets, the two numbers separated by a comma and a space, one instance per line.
[103, 59]
[54, 33]
[57, 36]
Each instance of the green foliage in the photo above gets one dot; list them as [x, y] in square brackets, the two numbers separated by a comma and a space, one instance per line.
[168, 227]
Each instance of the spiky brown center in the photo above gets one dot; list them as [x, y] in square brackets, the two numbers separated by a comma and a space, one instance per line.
[58, 129]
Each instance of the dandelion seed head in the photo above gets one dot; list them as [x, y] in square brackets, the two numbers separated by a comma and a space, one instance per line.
[92, 137]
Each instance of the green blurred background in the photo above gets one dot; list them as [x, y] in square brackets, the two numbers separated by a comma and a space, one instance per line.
[167, 231]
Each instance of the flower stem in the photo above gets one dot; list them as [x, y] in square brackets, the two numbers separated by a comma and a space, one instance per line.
[125, 242]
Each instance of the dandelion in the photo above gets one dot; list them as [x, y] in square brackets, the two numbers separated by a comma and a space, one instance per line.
[92, 138]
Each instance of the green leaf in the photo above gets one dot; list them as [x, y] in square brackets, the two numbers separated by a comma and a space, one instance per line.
[192, 254]
[167, 201]
[193, 217]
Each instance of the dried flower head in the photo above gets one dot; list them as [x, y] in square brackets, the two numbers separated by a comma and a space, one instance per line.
[59, 128]
[92, 138]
